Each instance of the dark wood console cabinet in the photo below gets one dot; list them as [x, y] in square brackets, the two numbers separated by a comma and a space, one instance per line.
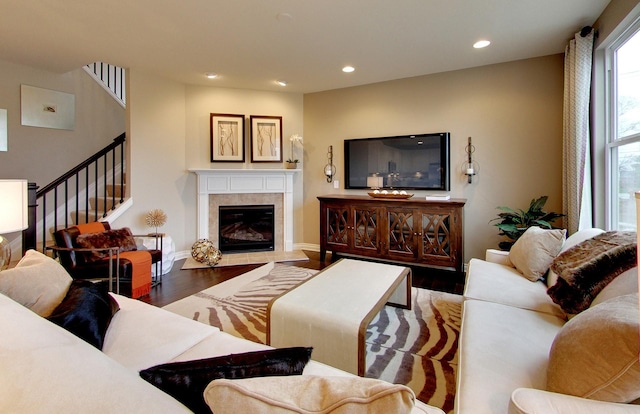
[407, 230]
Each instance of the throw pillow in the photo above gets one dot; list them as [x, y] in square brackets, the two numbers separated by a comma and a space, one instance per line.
[595, 354]
[534, 251]
[186, 381]
[37, 282]
[308, 394]
[86, 311]
[121, 238]
[575, 238]
[586, 268]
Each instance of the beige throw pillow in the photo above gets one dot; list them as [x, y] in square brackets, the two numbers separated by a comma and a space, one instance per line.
[308, 394]
[37, 282]
[534, 251]
[595, 354]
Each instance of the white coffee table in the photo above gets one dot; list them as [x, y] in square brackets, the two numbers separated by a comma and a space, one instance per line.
[331, 311]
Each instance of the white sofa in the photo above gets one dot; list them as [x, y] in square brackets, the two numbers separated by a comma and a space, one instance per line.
[508, 326]
[46, 369]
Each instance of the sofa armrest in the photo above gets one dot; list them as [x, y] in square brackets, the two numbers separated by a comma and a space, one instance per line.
[498, 256]
[532, 401]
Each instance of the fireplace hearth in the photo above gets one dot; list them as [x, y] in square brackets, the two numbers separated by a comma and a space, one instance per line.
[246, 228]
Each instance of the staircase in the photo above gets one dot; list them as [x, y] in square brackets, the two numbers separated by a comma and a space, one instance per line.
[111, 78]
[91, 191]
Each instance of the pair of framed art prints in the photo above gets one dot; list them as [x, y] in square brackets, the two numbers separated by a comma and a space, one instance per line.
[228, 142]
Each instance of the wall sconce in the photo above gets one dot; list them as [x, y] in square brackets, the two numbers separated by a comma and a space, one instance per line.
[470, 167]
[14, 217]
[330, 169]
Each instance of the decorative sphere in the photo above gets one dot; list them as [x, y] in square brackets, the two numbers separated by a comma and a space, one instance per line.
[204, 251]
[395, 192]
[384, 191]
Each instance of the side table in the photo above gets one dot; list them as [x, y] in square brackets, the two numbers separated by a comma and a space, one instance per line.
[164, 243]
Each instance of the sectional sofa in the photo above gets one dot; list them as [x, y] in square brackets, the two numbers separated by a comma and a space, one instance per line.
[520, 352]
[47, 369]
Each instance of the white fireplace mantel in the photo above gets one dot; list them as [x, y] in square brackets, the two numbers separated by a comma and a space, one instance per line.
[237, 181]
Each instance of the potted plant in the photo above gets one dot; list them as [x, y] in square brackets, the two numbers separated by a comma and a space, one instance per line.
[513, 223]
[292, 163]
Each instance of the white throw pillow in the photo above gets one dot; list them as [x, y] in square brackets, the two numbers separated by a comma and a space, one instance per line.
[308, 394]
[534, 251]
[37, 282]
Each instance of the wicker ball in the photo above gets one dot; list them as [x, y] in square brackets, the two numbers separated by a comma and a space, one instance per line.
[204, 251]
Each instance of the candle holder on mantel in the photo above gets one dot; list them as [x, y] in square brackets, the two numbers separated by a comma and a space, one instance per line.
[470, 168]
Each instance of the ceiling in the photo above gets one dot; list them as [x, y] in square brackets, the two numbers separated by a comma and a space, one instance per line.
[252, 43]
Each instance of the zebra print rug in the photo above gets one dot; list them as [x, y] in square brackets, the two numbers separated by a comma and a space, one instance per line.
[416, 347]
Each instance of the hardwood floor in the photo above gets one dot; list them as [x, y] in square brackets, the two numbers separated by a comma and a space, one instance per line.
[179, 284]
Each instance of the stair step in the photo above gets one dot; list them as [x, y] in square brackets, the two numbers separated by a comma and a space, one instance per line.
[99, 203]
[116, 190]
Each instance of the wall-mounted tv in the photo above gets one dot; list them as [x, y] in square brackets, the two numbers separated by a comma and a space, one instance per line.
[412, 162]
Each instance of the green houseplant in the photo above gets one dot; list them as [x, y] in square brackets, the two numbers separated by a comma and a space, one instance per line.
[512, 223]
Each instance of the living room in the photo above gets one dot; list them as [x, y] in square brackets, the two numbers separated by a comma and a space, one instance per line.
[512, 110]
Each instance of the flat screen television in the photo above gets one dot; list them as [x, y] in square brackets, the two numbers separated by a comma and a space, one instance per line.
[411, 162]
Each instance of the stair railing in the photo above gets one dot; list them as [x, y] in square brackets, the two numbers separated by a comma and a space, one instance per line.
[111, 78]
[68, 198]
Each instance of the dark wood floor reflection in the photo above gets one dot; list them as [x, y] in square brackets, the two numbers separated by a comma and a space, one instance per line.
[178, 283]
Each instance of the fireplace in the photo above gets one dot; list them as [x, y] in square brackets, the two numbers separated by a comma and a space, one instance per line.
[248, 228]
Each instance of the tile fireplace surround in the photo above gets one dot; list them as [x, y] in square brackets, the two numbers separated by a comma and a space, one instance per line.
[244, 187]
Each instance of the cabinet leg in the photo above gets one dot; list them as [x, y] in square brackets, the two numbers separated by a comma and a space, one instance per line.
[323, 254]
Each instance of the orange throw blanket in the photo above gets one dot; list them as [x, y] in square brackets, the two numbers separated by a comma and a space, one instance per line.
[140, 262]
[140, 272]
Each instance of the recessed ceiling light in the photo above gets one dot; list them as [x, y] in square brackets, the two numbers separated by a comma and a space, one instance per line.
[481, 43]
[211, 75]
[348, 69]
[281, 82]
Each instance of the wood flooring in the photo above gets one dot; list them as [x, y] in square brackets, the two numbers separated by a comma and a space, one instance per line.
[179, 284]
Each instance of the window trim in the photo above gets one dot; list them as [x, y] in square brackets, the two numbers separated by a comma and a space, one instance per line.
[609, 118]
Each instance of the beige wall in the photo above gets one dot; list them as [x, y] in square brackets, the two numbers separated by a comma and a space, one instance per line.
[43, 154]
[169, 129]
[513, 112]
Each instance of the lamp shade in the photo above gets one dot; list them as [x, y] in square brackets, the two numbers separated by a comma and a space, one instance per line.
[13, 206]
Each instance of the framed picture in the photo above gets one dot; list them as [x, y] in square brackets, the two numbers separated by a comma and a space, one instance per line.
[266, 138]
[227, 138]
[45, 108]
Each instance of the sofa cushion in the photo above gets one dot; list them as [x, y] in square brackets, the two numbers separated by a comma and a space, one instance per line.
[531, 401]
[46, 369]
[496, 283]
[595, 355]
[308, 394]
[121, 238]
[86, 311]
[37, 282]
[586, 268]
[500, 348]
[534, 251]
[141, 336]
[186, 381]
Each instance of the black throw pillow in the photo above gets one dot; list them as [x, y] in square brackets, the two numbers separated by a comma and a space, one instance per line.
[86, 311]
[186, 381]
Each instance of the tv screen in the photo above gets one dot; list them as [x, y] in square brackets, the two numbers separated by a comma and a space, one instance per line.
[412, 162]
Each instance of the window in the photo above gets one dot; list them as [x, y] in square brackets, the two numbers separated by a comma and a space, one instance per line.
[623, 143]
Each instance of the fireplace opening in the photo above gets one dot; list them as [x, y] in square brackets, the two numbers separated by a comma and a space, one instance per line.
[246, 228]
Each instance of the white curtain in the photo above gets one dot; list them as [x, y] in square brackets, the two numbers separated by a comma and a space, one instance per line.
[576, 159]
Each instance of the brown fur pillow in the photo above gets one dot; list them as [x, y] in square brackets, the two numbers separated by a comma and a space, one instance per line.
[122, 238]
[588, 267]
